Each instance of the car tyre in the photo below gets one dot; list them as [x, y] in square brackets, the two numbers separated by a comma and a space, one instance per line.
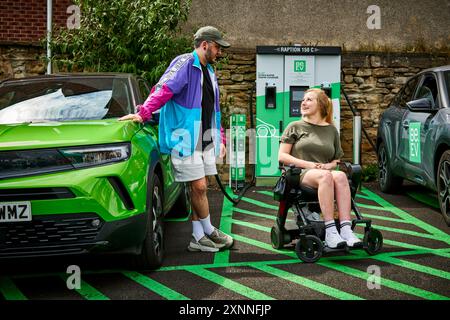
[152, 253]
[388, 182]
[443, 185]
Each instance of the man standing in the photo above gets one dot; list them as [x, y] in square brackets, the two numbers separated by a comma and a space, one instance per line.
[190, 130]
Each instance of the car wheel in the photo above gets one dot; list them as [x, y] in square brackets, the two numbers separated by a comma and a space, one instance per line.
[152, 253]
[182, 206]
[387, 181]
[443, 185]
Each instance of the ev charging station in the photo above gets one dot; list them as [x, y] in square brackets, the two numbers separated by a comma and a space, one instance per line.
[283, 74]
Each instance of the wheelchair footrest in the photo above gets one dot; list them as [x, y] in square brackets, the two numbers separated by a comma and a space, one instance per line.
[329, 250]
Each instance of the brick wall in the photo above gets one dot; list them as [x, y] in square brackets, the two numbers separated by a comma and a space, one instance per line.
[25, 21]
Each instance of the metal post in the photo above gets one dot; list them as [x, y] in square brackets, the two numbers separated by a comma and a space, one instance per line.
[356, 139]
[49, 34]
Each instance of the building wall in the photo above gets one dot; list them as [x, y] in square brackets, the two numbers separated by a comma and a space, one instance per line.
[370, 78]
[25, 21]
[405, 24]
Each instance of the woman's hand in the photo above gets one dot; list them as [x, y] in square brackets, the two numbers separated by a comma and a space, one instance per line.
[326, 166]
[314, 165]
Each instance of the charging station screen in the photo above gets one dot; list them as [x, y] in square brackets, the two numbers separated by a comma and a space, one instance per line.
[271, 97]
[297, 94]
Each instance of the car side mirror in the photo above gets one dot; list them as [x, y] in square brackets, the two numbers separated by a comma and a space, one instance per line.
[420, 105]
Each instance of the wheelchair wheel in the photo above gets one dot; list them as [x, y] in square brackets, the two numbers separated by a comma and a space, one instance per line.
[309, 248]
[373, 241]
[277, 238]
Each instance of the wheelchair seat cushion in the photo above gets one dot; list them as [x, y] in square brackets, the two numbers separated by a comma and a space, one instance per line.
[308, 193]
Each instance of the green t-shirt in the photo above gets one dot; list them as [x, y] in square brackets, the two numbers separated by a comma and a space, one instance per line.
[311, 142]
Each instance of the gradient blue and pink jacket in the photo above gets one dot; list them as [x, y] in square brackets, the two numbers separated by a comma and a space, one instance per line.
[179, 96]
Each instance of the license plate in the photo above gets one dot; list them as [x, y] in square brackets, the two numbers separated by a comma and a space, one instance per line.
[15, 211]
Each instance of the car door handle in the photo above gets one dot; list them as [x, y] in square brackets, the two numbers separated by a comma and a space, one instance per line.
[406, 124]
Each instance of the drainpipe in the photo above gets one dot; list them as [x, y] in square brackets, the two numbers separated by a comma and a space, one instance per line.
[49, 34]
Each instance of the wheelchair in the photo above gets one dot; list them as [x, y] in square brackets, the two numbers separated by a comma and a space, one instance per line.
[309, 228]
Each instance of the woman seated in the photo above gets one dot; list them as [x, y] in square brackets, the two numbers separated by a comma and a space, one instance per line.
[313, 144]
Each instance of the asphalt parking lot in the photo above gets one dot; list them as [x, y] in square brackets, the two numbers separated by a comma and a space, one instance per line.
[413, 264]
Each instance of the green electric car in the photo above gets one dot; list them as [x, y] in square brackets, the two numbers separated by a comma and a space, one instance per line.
[74, 179]
[413, 140]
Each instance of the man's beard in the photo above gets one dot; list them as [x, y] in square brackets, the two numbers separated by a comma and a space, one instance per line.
[209, 56]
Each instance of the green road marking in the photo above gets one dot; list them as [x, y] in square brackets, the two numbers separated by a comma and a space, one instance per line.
[384, 282]
[229, 265]
[265, 246]
[9, 290]
[86, 290]
[406, 216]
[414, 266]
[255, 214]
[412, 233]
[267, 193]
[229, 284]
[225, 226]
[438, 252]
[259, 215]
[424, 198]
[368, 206]
[251, 225]
[260, 203]
[316, 286]
[154, 286]
[363, 197]
[374, 217]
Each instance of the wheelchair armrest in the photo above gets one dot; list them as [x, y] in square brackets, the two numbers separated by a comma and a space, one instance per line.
[350, 169]
[353, 172]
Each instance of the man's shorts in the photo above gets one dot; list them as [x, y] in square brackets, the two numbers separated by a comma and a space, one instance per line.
[195, 166]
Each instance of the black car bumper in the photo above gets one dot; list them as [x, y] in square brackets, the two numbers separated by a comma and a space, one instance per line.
[68, 234]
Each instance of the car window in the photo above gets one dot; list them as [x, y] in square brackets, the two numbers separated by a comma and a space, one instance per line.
[144, 89]
[447, 84]
[428, 90]
[408, 91]
[64, 99]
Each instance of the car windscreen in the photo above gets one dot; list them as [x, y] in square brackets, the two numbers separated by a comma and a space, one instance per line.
[64, 99]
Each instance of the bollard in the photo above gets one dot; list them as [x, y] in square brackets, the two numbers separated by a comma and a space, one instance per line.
[357, 139]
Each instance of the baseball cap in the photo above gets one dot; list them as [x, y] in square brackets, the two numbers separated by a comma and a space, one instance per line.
[210, 33]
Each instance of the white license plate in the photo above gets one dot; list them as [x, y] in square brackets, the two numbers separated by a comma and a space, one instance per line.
[15, 211]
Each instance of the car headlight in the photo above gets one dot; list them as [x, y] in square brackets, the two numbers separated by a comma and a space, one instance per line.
[96, 155]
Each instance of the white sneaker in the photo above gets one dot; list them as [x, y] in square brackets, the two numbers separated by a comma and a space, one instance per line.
[351, 239]
[220, 238]
[333, 240]
[204, 244]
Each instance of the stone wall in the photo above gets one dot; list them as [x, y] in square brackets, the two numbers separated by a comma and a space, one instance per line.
[21, 61]
[370, 80]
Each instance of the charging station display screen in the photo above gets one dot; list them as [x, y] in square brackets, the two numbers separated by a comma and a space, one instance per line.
[297, 94]
[271, 97]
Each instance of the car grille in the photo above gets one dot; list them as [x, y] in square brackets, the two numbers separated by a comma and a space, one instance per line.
[28, 194]
[50, 230]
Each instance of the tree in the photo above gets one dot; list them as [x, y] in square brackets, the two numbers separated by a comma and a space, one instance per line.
[136, 36]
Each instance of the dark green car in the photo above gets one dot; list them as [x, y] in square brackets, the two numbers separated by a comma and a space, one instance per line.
[74, 179]
[413, 140]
